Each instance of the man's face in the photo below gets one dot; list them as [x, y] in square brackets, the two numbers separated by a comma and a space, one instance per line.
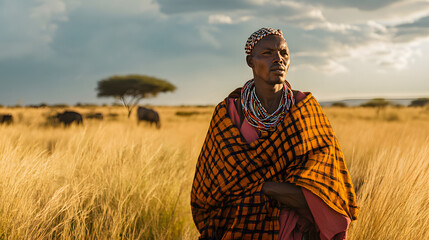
[270, 60]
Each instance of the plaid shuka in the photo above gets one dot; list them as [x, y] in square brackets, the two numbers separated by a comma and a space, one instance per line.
[227, 200]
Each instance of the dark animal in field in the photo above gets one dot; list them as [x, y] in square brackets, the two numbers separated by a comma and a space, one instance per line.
[6, 118]
[113, 116]
[68, 117]
[148, 115]
[98, 116]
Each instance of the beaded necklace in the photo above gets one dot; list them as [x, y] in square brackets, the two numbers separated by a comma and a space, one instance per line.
[256, 114]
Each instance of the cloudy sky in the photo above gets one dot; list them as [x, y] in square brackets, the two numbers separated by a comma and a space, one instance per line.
[55, 51]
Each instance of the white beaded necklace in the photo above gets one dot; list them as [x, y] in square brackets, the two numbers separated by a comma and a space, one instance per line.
[256, 114]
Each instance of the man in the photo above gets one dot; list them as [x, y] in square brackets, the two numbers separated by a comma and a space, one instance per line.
[271, 166]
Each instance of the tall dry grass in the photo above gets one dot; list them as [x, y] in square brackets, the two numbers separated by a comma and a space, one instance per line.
[114, 179]
[388, 158]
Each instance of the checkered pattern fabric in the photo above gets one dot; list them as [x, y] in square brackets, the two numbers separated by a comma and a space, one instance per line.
[226, 199]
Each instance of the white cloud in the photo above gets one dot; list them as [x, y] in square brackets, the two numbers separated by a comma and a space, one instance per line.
[259, 2]
[363, 5]
[29, 34]
[207, 35]
[401, 12]
[329, 26]
[246, 18]
[124, 7]
[413, 31]
[46, 16]
[49, 9]
[225, 19]
[194, 6]
[29, 27]
[220, 19]
[372, 42]
[333, 67]
[377, 26]
[305, 16]
[385, 55]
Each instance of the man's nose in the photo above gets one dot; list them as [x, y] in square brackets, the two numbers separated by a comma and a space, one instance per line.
[277, 57]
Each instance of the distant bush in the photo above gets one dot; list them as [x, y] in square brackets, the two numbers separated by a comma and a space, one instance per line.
[420, 102]
[339, 104]
[115, 104]
[41, 105]
[94, 115]
[79, 104]
[377, 102]
[59, 105]
[204, 106]
[392, 117]
[186, 114]
[113, 116]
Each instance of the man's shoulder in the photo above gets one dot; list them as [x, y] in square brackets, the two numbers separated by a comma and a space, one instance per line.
[298, 95]
[235, 94]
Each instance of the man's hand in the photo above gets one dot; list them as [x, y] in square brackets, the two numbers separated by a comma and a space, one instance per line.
[286, 194]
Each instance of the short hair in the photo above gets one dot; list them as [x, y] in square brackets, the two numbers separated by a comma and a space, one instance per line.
[258, 35]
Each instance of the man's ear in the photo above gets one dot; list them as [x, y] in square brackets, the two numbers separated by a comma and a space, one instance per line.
[249, 60]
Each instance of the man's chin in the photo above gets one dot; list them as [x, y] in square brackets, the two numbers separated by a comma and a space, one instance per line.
[277, 81]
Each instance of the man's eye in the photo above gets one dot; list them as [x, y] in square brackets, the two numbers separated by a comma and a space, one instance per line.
[266, 52]
[284, 53]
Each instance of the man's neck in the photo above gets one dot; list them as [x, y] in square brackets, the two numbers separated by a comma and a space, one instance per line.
[269, 96]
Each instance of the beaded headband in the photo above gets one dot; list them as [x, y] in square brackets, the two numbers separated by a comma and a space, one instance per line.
[258, 35]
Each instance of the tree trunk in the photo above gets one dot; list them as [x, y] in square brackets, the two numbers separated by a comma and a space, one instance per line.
[130, 105]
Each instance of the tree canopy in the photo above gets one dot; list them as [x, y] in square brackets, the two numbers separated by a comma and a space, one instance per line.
[130, 89]
[377, 102]
[339, 104]
[420, 102]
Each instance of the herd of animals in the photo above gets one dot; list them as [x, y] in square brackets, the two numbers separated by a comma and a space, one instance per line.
[68, 117]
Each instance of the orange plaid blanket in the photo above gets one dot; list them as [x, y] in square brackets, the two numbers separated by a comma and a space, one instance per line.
[226, 199]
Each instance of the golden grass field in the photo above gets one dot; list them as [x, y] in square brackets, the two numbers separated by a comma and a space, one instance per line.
[114, 179]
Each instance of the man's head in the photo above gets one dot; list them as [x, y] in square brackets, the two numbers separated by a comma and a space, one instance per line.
[268, 56]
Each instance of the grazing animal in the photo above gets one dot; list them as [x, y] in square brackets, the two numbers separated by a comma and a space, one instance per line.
[6, 118]
[149, 115]
[68, 117]
[98, 116]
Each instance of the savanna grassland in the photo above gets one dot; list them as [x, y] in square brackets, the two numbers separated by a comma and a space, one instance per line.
[114, 179]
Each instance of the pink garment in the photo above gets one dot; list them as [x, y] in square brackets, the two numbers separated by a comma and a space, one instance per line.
[330, 224]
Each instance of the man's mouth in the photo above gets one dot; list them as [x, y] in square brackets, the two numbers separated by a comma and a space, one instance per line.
[278, 69]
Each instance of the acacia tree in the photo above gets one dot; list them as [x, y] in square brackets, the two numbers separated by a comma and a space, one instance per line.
[130, 89]
[379, 103]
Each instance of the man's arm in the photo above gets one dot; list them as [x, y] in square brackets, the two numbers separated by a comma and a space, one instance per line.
[287, 194]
